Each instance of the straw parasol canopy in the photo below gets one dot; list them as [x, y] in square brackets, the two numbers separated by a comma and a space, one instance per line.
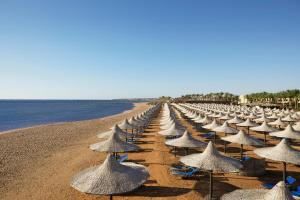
[225, 128]
[278, 192]
[110, 178]
[225, 117]
[288, 119]
[114, 145]
[243, 139]
[212, 125]
[248, 123]
[168, 125]
[252, 116]
[115, 128]
[204, 120]
[282, 152]
[263, 128]
[126, 125]
[278, 123]
[297, 126]
[235, 120]
[288, 132]
[213, 161]
[174, 130]
[186, 141]
[262, 119]
[273, 116]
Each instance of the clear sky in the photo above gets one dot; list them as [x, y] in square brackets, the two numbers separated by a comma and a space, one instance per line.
[93, 49]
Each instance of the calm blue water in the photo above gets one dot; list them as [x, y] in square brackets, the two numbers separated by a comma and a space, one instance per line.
[25, 113]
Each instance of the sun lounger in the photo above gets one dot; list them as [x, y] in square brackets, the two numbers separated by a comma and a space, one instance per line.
[289, 181]
[189, 173]
[296, 192]
[123, 158]
[208, 135]
[245, 158]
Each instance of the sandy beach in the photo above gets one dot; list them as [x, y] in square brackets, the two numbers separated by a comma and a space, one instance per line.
[38, 163]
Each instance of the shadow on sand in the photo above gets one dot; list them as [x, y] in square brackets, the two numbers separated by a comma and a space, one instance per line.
[220, 187]
[159, 191]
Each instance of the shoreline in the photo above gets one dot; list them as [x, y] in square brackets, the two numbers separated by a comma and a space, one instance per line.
[63, 122]
[29, 157]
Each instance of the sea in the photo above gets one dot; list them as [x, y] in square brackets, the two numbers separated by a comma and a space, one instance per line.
[15, 114]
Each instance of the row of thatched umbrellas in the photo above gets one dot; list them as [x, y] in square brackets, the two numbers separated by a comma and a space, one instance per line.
[282, 152]
[289, 133]
[113, 177]
[210, 160]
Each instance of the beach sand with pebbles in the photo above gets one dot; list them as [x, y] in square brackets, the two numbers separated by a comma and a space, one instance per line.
[38, 163]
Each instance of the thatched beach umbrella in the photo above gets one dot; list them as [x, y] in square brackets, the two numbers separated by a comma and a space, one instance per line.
[288, 119]
[175, 130]
[212, 161]
[288, 132]
[282, 152]
[114, 145]
[273, 116]
[186, 141]
[263, 128]
[137, 124]
[296, 116]
[110, 178]
[243, 139]
[262, 119]
[168, 125]
[225, 117]
[278, 123]
[211, 126]
[115, 128]
[235, 120]
[248, 123]
[204, 120]
[297, 126]
[226, 129]
[125, 125]
[252, 116]
[279, 192]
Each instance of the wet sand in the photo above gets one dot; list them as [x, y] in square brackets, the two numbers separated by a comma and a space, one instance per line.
[38, 163]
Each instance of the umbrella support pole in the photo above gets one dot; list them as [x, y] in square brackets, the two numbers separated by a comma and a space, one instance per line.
[241, 152]
[225, 149]
[248, 130]
[110, 197]
[210, 185]
[214, 137]
[284, 171]
[265, 139]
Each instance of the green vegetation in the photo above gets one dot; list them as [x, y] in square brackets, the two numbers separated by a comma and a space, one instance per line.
[162, 99]
[288, 98]
[219, 96]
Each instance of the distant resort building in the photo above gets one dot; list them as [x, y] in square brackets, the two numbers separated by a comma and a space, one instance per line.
[243, 99]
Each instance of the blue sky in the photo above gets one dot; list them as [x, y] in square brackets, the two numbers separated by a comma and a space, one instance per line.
[120, 49]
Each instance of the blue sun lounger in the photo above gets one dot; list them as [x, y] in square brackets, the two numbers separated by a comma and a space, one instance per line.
[289, 181]
[296, 192]
[245, 158]
[208, 135]
[123, 158]
[189, 173]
